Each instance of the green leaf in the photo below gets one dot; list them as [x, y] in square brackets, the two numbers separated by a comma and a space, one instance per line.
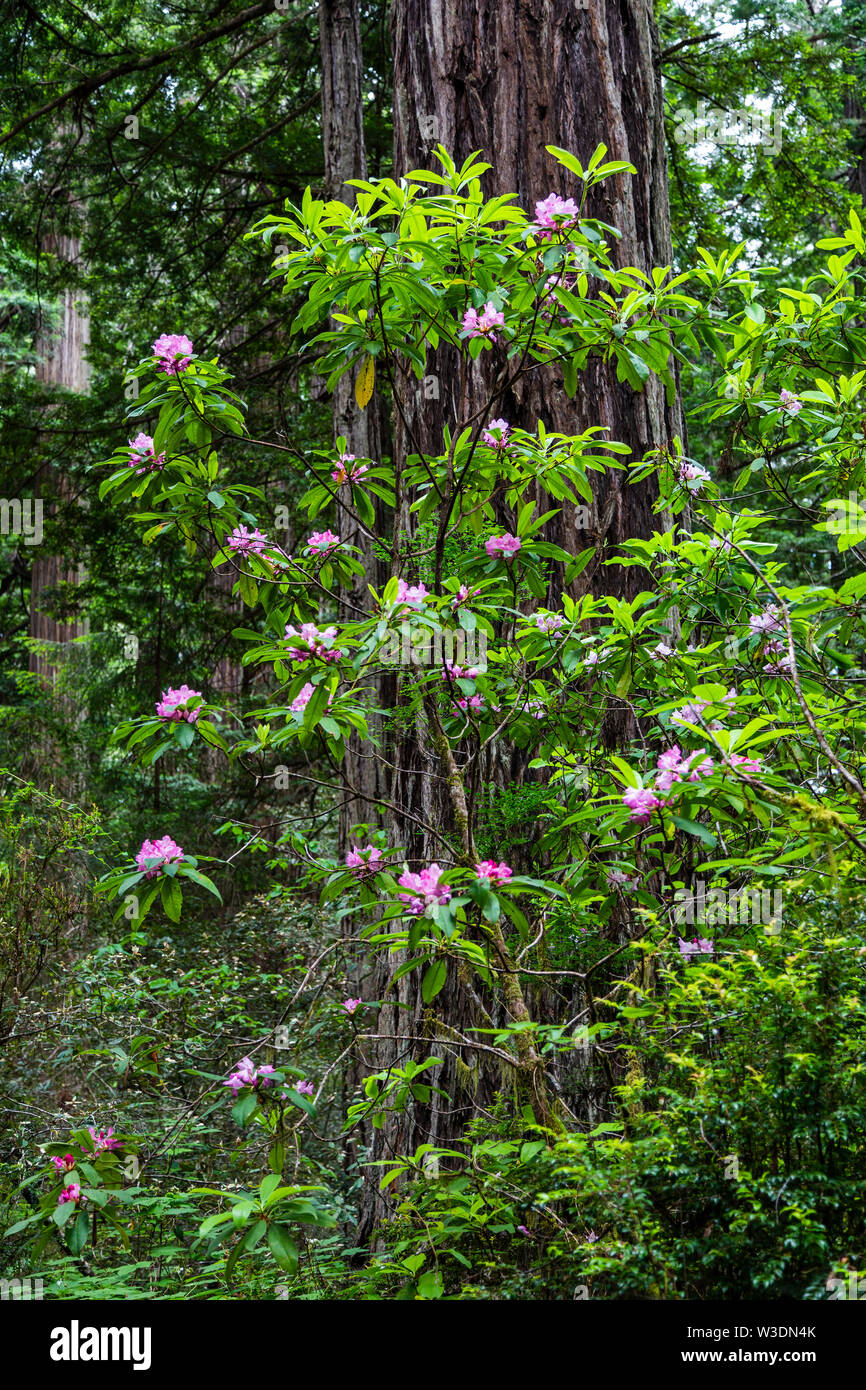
[79, 1234]
[283, 1248]
[691, 827]
[172, 898]
[434, 979]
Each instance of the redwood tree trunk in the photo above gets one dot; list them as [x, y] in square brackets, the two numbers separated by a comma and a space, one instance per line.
[508, 77]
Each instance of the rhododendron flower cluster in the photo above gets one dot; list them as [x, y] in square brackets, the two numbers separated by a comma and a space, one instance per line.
[780, 663]
[247, 542]
[454, 672]
[482, 325]
[413, 595]
[315, 643]
[554, 213]
[141, 451]
[350, 1005]
[663, 651]
[499, 440]
[790, 402]
[674, 767]
[497, 873]
[467, 702]
[103, 1139]
[693, 473]
[172, 704]
[72, 1193]
[174, 352]
[641, 802]
[617, 879]
[425, 890]
[548, 622]
[463, 596]
[164, 851]
[345, 472]
[65, 1164]
[744, 763]
[699, 945]
[320, 542]
[768, 620]
[304, 1088]
[302, 699]
[364, 862]
[506, 546]
[246, 1074]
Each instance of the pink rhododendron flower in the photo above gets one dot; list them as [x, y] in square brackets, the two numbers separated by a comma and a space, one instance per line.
[172, 704]
[350, 1005]
[141, 452]
[535, 707]
[697, 946]
[247, 542]
[548, 622]
[497, 873]
[174, 353]
[768, 620]
[453, 672]
[72, 1193]
[304, 1088]
[524, 1230]
[302, 699]
[723, 543]
[64, 1165]
[663, 651]
[689, 714]
[411, 594]
[617, 879]
[481, 325]
[698, 769]
[499, 440]
[693, 473]
[744, 763]
[670, 767]
[246, 1074]
[506, 546]
[475, 702]
[320, 542]
[554, 213]
[425, 890]
[780, 666]
[103, 1139]
[790, 402]
[315, 643]
[163, 852]
[463, 596]
[345, 473]
[641, 802]
[364, 862]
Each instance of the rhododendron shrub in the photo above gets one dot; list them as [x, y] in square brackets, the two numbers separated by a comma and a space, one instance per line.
[704, 727]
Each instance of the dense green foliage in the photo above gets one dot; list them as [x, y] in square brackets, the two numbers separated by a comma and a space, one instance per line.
[661, 934]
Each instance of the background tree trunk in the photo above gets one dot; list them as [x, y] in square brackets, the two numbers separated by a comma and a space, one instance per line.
[345, 158]
[61, 353]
